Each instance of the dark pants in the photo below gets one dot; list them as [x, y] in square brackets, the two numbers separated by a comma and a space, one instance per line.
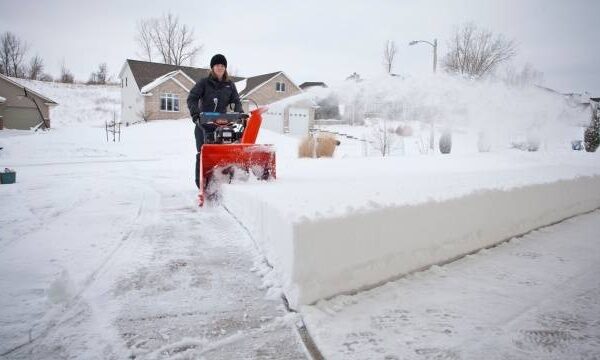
[200, 132]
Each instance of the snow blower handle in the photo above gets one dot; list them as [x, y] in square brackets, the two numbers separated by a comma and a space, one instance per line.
[222, 118]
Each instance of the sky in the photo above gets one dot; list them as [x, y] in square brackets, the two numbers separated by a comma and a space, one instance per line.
[314, 40]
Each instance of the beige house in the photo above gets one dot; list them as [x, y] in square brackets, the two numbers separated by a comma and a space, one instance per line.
[22, 108]
[155, 91]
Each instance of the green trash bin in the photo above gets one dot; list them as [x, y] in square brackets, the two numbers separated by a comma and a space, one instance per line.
[8, 177]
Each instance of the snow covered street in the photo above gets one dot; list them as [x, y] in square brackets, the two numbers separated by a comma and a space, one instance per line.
[104, 255]
[535, 297]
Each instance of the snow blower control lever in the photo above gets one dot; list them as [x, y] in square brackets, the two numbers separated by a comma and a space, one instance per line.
[223, 128]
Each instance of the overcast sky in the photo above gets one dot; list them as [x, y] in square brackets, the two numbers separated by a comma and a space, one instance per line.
[314, 40]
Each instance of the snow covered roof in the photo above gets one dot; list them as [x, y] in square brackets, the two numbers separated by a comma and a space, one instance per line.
[146, 72]
[241, 85]
[169, 76]
[15, 82]
[2, 99]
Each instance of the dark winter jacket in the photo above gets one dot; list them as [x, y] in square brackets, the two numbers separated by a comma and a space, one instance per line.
[203, 94]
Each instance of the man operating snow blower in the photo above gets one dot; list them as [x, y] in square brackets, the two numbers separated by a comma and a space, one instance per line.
[225, 142]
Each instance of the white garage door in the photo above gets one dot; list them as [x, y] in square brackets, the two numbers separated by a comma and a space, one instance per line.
[298, 121]
[273, 120]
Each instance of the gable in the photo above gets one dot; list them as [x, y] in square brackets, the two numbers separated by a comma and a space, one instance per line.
[254, 82]
[267, 92]
[178, 77]
[172, 86]
[262, 82]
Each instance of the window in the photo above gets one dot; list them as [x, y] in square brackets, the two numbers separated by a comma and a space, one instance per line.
[169, 102]
[125, 82]
[280, 87]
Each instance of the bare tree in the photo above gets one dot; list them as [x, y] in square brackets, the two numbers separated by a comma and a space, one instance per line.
[102, 73]
[167, 37]
[36, 67]
[389, 53]
[382, 137]
[144, 38]
[12, 53]
[46, 77]
[65, 75]
[528, 75]
[99, 77]
[477, 52]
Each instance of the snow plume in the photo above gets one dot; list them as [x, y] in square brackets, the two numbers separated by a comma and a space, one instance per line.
[489, 106]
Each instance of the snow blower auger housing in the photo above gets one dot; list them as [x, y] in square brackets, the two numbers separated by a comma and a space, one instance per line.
[229, 151]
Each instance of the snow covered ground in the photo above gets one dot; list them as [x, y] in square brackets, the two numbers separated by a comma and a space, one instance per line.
[104, 253]
[535, 297]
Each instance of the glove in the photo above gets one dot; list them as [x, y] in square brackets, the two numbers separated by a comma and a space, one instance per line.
[196, 119]
[244, 116]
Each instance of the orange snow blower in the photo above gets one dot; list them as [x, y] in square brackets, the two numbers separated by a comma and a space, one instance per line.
[230, 153]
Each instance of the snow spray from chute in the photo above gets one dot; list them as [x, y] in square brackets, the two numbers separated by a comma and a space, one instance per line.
[223, 162]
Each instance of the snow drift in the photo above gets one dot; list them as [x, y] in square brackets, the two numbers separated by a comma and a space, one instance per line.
[321, 253]
[339, 225]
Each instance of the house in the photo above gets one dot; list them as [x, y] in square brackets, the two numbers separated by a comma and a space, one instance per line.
[154, 91]
[289, 110]
[22, 108]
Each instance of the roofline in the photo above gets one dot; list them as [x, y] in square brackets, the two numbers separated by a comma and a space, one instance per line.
[261, 84]
[166, 77]
[271, 78]
[126, 63]
[28, 89]
[187, 77]
[179, 83]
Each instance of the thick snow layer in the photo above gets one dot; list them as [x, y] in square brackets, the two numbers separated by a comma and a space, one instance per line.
[394, 216]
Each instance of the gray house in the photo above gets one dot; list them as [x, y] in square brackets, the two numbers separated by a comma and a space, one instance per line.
[22, 108]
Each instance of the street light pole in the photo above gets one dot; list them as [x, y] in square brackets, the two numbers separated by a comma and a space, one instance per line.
[434, 45]
[434, 55]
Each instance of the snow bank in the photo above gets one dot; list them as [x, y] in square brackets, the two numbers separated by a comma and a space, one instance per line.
[334, 226]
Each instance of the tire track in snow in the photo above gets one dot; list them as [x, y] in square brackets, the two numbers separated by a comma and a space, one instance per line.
[63, 316]
[307, 340]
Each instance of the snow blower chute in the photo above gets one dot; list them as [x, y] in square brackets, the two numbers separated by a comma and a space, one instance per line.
[230, 153]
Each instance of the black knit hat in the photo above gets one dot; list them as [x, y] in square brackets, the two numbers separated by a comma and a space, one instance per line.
[218, 59]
